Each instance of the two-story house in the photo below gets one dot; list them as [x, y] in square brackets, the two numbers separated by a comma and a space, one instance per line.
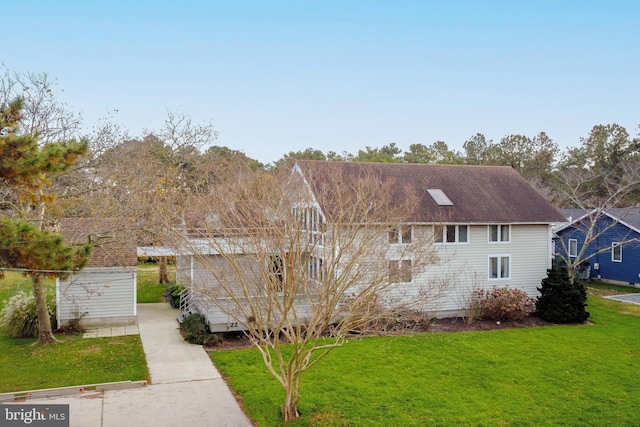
[484, 226]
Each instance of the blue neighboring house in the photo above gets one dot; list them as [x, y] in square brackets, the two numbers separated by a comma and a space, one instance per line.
[614, 254]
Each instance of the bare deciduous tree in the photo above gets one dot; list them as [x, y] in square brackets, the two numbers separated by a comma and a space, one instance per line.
[44, 115]
[180, 132]
[299, 276]
[591, 203]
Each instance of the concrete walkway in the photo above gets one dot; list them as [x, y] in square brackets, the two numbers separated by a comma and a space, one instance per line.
[113, 331]
[186, 389]
[628, 298]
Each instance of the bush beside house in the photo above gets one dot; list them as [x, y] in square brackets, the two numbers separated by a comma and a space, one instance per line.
[562, 300]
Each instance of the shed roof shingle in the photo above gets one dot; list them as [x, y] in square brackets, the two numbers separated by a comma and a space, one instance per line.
[112, 246]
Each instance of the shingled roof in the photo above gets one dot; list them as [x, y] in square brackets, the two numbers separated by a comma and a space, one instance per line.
[112, 247]
[629, 216]
[478, 194]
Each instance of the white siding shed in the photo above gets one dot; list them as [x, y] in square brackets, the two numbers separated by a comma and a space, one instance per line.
[104, 292]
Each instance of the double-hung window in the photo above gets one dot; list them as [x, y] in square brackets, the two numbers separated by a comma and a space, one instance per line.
[400, 271]
[451, 233]
[573, 248]
[499, 267]
[616, 252]
[402, 235]
[499, 233]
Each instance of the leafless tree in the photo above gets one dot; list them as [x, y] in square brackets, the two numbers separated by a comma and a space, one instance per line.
[44, 114]
[180, 132]
[591, 205]
[298, 277]
[133, 178]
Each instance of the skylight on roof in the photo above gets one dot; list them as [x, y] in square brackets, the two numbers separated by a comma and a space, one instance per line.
[439, 197]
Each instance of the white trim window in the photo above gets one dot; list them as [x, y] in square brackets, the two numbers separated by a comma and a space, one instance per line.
[573, 248]
[499, 233]
[401, 235]
[400, 271]
[316, 268]
[311, 221]
[451, 233]
[499, 267]
[616, 252]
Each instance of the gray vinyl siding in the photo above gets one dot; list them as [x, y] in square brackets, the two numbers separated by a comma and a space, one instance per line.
[464, 268]
[106, 294]
[197, 272]
[202, 277]
[444, 288]
[207, 284]
[184, 269]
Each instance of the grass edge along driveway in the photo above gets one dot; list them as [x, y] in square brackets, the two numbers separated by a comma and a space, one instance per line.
[557, 376]
[76, 361]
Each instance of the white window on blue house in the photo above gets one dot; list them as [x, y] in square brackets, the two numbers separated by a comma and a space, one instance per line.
[573, 248]
[499, 233]
[616, 252]
[499, 267]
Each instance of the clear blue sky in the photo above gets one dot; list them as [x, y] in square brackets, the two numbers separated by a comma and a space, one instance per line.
[277, 76]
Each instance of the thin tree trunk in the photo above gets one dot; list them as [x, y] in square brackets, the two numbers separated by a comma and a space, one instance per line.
[45, 335]
[290, 408]
[571, 270]
[163, 278]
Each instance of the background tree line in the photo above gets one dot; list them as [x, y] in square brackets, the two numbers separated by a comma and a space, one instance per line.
[183, 157]
[133, 177]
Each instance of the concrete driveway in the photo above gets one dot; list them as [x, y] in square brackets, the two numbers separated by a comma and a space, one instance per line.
[630, 298]
[186, 389]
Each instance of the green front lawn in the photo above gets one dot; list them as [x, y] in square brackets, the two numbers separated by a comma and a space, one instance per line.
[76, 361]
[559, 375]
[14, 282]
[148, 289]
[601, 288]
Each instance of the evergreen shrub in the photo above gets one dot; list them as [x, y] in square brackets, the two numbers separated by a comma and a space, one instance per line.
[172, 295]
[561, 300]
[195, 328]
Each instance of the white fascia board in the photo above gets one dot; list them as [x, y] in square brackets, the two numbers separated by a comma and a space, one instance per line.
[604, 212]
